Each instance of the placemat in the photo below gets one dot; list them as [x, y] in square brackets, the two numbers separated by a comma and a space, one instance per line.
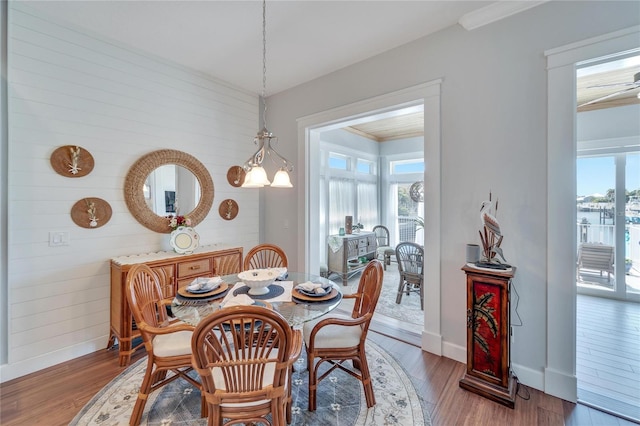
[275, 290]
[182, 291]
[200, 300]
[297, 296]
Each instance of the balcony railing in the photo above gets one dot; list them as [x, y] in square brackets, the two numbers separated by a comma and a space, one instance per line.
[407, 226]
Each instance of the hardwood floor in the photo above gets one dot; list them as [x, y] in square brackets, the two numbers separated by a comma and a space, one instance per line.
[53, 396]
[608, 355]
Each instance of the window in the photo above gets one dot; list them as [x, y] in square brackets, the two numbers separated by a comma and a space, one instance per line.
[407, 166]
[365, 166]
[338, 161]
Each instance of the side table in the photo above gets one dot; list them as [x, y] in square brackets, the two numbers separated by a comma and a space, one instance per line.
[488, 331]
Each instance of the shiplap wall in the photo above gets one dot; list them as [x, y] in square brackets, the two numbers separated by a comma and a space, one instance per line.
[70, 87]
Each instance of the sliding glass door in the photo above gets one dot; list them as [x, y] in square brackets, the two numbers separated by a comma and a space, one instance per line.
[608, 225]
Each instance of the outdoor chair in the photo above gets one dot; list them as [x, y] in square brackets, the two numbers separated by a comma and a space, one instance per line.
[410, 257]
[168, 344]
[265, 256]
[384, 250]
[245, 356]
[597, 257]
[336, 338]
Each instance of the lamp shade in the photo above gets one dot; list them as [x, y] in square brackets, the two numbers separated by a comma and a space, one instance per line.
[256, 178]
[281, 180]
[249, 181]
[260, 176]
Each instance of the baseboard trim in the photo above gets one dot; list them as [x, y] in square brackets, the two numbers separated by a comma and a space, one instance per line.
[22, 368]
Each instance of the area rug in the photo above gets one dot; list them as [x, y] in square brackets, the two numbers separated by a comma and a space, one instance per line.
[408, 311]
[340, 399]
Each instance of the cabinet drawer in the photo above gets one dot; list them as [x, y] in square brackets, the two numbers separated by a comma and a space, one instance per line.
[193, 268]
[362, 242]
[362, 251]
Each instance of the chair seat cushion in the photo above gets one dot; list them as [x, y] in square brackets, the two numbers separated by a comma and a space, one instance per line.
[332, 336]
[386, 250]
[174, 344]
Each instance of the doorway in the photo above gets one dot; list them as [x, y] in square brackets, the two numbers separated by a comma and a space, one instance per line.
[426, 96]
[607, 182]
[559, 374]
[608, 176]
[366, 170]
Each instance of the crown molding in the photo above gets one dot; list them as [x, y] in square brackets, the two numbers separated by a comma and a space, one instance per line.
[495, 12]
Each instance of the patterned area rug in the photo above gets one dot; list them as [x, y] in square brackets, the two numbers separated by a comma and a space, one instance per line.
[340, 399]
[408, 311]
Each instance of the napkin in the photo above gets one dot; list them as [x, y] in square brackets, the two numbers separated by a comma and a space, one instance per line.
[282, 273]
[239, 300]
[204, 283]
[310, 287]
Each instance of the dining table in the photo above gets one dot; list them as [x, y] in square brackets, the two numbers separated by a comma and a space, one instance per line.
[282, 297]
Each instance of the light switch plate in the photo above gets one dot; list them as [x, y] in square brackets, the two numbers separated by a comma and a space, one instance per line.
[58, 239]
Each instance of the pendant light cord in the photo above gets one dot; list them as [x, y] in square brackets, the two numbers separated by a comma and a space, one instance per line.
[264, 62]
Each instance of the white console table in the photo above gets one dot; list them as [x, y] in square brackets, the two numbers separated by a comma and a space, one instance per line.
[344, 250]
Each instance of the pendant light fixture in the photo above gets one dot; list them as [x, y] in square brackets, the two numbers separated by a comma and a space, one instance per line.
[256, 176]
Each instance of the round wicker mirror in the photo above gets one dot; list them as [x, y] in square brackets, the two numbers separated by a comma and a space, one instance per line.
[134, 194]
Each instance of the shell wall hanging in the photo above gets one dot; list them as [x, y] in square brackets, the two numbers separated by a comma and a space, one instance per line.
[228, 209]
[91, 212]
[72, 161]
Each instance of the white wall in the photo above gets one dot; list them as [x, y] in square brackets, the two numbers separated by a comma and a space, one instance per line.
[68, 87]
[494, 135]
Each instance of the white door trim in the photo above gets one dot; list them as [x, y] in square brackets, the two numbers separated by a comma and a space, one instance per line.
[560, 371]
[429, 95]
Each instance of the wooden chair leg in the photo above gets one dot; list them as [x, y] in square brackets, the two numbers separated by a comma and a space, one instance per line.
[289, 399]
[400, 291]
[143, 394]
[204, 408]
[366, 381]
[312, 383]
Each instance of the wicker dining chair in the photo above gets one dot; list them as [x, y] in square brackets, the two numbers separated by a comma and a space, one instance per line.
[245, 356]
[336, 338]
[384, 245]
[168, 343]
[265, 256]
[410, 257]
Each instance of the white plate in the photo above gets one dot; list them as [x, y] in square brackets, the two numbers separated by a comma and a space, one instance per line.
[184, 240]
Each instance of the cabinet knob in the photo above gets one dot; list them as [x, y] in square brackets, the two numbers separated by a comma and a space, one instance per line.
[195, 267]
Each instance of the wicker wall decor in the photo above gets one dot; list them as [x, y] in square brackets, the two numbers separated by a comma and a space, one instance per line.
[91, 212]
[72, 161]
[228, 209]
[141, 169]
[235, 176]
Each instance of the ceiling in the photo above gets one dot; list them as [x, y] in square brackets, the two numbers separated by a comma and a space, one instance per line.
[306, 39]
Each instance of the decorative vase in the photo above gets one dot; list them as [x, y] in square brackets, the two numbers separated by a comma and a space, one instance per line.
[184, 240]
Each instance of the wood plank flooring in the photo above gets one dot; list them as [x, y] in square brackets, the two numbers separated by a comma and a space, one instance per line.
[608, 355]
[54, 396]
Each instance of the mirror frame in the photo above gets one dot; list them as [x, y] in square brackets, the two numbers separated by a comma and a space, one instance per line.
[141, 169]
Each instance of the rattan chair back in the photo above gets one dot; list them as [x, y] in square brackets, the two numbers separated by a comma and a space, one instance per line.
[410, 257]
[265, 256]
[148, 307]
[243, 355]
[327, 338]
